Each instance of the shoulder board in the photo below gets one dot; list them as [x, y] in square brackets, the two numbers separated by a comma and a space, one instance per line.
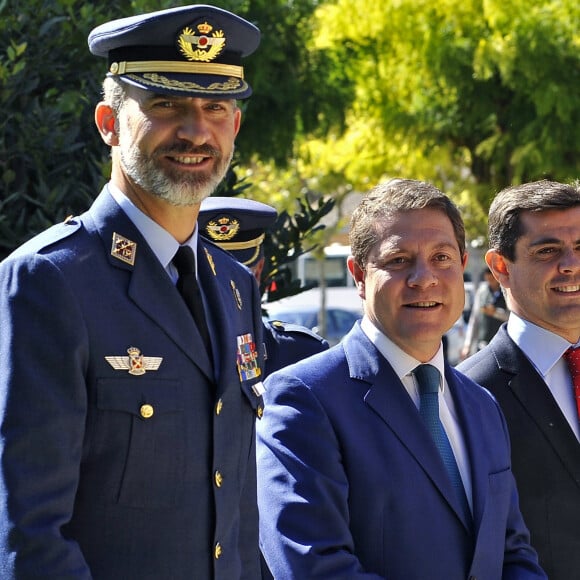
[289, 328]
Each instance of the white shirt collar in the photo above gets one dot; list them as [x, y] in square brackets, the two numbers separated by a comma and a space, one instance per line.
[402, 363]
[542, 347]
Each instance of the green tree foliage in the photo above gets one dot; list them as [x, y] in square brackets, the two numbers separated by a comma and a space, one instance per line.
[294, 233]
[472, 94]
[50, 155]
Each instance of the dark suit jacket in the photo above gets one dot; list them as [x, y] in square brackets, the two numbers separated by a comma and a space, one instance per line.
[112, 475]
[350, 484]
[545, 453]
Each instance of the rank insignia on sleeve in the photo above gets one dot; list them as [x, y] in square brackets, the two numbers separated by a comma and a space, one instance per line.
[247, 358]
[123, 249]
[237, 295]
[135, 363]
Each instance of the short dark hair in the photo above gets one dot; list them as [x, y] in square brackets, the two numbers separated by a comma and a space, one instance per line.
[397, 195]
[504, 223]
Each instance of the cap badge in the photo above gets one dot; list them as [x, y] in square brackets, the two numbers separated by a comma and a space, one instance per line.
[201, 47]
[247, 358]
[222, 229]
[135, 363]
[123, 249]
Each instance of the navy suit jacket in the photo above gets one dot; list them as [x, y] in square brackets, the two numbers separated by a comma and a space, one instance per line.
[108, 474]
[350, 484]
[545, 453]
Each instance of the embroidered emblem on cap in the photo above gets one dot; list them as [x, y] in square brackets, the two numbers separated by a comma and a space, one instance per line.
[223, 228]
[123, 249]
[135, 363]
[202, 47]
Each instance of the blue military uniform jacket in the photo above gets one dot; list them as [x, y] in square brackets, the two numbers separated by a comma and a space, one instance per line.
[125, 454]
[287, 343]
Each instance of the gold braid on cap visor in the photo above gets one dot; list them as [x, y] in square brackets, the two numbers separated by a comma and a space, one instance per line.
[169, 66]
[233, 246]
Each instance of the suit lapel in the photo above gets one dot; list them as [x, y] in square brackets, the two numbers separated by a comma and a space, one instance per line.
[388, 398]
[535, 397]
[219, 298]
[149, 287]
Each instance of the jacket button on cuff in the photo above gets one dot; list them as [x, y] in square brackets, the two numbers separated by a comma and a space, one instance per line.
[218, 407]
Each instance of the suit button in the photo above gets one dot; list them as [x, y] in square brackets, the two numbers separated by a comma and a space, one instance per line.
[218, 478]
[217, 551]
[260, 411]
[146, 411]
[218, 407]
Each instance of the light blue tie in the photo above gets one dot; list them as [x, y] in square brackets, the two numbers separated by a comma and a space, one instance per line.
[428, 378]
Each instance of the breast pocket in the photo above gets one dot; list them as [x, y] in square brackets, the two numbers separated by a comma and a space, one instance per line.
[140, 440]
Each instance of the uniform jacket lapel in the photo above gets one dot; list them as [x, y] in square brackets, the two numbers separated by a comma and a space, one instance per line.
[389, 399]
[149, 286]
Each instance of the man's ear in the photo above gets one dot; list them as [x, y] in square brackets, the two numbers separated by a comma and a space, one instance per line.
[358, 275]
[499, 267]
[106, 122]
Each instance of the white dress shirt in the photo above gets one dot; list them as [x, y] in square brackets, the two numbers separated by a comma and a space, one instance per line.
[403, 365]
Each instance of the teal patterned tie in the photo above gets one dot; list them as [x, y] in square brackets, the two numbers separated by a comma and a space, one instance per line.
[428, 378]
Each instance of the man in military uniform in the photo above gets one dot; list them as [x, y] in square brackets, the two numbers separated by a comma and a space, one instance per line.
[239, 226]
[130, 375]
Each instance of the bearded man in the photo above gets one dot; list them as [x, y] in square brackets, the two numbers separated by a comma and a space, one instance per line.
[130, 376]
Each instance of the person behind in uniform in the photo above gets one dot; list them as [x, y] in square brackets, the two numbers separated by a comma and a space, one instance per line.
[534, 252]
[239, 226]
[128, 412]
[487, 315]
[358, 474]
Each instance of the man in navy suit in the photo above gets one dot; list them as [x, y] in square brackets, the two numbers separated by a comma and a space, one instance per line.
[127, 441]
[365, 468]
[534, 240]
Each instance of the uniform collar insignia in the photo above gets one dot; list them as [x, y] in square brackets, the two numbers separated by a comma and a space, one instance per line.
[210, 260]
[123, 249]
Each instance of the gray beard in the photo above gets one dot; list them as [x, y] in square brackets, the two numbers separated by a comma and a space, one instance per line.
[178, 190]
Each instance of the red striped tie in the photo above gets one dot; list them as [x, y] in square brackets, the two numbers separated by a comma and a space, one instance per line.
[572, 356]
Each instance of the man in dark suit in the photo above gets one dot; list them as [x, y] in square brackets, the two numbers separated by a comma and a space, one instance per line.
[534, 239]
[376, 459]
[128, 439]
[239, 226]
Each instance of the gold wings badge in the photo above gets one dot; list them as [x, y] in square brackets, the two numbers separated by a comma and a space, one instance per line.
[135, 363]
